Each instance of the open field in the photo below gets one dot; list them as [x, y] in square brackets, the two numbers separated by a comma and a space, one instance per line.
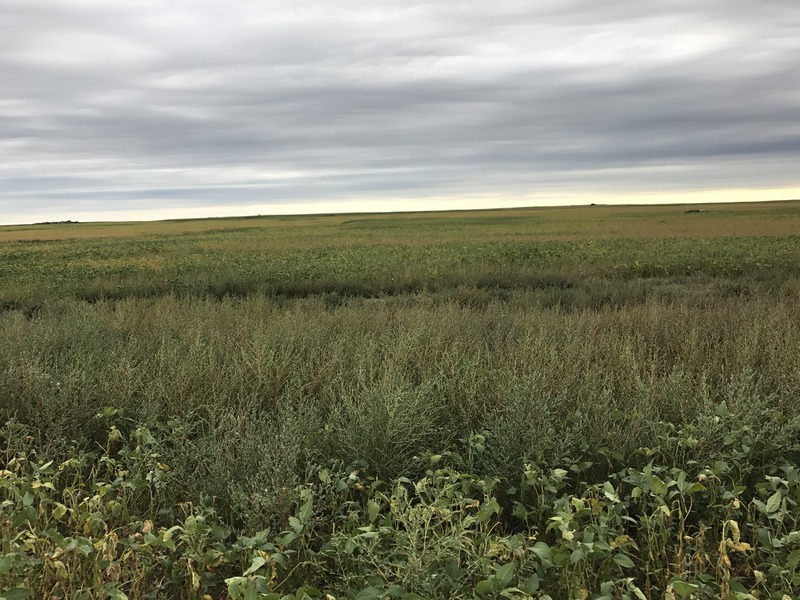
[573, 222]
[592, 403]
[376, 255]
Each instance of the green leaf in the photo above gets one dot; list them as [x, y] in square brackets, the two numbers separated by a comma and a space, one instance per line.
[369, 535]
[484, 587]
[82, 545]
[219, 532]
[577, 555]
[258, 562]
[739, 590]
[609, 492]
[288, 537]
[543, 551]
[190, 525]
[623, 560]
[278, 558]
[236, 586]
[114, 593]
[59, 511]
[452, 570]
[774, 502]
[6, 561]
[373, 508]
[532, 584]
[636, 591]
[793, 559]
[17, 593]
[504, 575]
[307, 509]
[519, 510]
[296, 524]
[369, 593]
[657, 486]
[26, 514]
[683, 588]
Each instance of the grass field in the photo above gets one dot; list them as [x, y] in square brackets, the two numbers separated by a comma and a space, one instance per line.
[595, 402]
[376, 255]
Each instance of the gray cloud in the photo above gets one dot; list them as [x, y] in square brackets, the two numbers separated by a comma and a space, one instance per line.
[109, 106]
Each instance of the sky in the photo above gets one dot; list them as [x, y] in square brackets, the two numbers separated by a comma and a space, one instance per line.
[149, 109]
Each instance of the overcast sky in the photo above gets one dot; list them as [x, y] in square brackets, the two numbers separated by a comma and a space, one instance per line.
[160, 108]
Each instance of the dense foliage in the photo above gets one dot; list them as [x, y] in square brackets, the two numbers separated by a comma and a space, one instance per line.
[379, 408]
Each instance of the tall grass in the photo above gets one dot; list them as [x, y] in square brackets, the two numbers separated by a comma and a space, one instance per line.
[261, 388]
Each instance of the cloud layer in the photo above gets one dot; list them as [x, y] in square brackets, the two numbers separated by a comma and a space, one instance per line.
[148, 104]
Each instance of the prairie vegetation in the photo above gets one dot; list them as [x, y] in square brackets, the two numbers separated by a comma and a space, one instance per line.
[566, 403]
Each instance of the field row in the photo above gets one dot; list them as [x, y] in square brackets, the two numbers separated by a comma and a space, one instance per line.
[31, 273]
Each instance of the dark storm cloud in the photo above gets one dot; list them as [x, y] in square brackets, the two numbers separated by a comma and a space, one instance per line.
[141, 104]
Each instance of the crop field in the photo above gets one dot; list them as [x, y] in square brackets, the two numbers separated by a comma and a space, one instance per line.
[584, 403]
